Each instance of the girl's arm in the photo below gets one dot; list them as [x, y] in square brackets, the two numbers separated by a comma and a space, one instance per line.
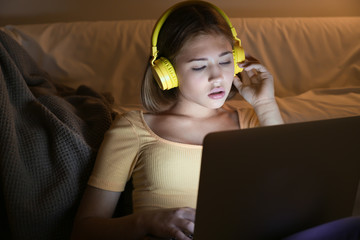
[94, 220]
[268, 113]
[256, 86]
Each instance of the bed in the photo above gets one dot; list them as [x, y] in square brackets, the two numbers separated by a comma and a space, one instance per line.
[63, 83]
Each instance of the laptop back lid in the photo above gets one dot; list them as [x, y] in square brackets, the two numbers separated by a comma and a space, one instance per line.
[269, 182]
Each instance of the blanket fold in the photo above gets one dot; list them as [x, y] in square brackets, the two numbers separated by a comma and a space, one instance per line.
[48, 143]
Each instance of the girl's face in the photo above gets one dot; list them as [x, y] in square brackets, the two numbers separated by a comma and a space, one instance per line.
[205, 70]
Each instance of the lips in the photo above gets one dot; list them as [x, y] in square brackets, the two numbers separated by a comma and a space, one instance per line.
[217, 93]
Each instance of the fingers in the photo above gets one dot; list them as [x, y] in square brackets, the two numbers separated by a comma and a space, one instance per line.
[251, 63]
[250, 66]
[189, 213]
[173, 223]
[253, 76]
[249, 77]
[248, 61]
[237, 82]
[253, 72]
[185, 233]
[184, 223]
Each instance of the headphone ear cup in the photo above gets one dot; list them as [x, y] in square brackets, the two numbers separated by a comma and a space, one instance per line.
[239, 56]
[164, 74]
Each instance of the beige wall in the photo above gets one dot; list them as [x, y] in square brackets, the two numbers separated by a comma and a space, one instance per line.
[39, 11]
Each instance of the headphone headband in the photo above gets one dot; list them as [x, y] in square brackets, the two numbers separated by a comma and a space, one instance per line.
[156, 32]
[165, 15]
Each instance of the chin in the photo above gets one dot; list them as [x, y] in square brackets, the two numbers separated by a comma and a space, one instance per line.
[217, 105]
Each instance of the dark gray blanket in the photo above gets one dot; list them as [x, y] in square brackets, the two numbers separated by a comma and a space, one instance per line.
[49, 137]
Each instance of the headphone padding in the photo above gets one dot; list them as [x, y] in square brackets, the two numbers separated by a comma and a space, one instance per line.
[239, 56]
[164, 73]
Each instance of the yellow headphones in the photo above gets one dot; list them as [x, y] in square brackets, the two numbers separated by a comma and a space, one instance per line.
[162, 69]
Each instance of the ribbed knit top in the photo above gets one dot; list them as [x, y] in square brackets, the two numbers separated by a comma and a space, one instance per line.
[165, 174]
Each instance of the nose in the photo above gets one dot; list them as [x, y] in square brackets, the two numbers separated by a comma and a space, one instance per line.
[216, 74]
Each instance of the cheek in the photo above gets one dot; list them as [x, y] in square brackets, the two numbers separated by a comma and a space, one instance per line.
[189, 86]
[229, 77]
[188, 80]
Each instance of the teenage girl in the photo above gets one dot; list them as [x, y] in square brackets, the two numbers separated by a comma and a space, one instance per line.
[192, 72]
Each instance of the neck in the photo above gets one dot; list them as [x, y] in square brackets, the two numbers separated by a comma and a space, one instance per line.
[194, 111]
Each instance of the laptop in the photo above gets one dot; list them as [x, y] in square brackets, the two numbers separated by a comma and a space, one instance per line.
[270, 182]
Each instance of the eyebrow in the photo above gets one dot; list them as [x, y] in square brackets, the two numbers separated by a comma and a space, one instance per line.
[204, 59]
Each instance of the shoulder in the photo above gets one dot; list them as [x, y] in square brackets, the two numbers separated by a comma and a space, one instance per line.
[127, 119]
[134, 115]
[125, 125]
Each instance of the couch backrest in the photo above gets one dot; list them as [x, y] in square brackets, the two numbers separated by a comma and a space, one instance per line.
[302, 53]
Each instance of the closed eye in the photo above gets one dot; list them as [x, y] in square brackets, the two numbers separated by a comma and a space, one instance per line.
[198, 68]
[225, 63]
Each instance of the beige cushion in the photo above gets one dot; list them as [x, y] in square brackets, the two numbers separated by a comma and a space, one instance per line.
[315, 61]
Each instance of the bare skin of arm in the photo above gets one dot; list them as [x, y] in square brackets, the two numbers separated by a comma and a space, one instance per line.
[94, 220]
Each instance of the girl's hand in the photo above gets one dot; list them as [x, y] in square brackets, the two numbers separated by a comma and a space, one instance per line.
[175, 223]
[256, 84]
